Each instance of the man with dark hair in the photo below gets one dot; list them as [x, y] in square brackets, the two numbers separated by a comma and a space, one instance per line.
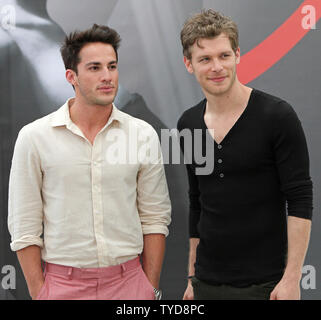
[242, 243]
[75, 41]
[85, 195]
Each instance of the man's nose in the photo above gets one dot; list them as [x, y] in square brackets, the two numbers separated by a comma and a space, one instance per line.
[216, 65]
[106, 75]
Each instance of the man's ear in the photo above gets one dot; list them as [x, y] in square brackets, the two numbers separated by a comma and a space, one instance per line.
[238, 55]
[71, 77]
[188, 65]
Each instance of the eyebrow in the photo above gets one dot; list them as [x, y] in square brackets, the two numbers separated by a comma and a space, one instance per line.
[203, 56]
[208, 55]
[99, 63]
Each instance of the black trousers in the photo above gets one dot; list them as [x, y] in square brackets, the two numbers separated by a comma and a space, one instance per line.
[205, 291]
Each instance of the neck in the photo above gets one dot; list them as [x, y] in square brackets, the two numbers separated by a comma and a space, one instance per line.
[89, 117]
[237, 97]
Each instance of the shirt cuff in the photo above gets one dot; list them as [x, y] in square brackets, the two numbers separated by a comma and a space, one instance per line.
[155, 229]
[26, 241]
[304, 213]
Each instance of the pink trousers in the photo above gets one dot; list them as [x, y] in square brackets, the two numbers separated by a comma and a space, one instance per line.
[126, 281]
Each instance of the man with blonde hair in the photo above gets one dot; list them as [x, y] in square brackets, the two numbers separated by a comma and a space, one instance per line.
[244, 244]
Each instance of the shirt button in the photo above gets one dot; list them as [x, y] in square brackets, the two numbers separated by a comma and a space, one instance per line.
[221, 175]
[219, 146]
[219, 160]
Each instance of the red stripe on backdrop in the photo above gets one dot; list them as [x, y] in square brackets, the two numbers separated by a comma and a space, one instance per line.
[276, 46]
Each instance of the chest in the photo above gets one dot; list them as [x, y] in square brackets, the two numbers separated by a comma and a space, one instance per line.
[90, 135]
[242, 145]
[221, 126]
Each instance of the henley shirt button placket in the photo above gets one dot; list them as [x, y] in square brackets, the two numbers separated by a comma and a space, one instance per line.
[221, 175]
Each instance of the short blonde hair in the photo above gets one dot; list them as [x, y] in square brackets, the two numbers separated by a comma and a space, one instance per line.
[208, 24]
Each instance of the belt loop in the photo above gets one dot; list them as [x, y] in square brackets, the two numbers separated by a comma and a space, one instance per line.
[69, 273]
[123, 269]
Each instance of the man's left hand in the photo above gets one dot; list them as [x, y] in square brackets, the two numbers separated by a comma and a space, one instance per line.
[286, 290]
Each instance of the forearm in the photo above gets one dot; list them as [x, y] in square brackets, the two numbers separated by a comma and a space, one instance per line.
[30, 261]
[189, 292]
[193, 243]
[298, 241]
[153, 255]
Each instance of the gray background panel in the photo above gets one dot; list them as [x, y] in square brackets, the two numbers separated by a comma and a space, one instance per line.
[155, 86]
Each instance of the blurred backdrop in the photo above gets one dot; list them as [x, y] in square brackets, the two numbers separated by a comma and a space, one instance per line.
[155, 87]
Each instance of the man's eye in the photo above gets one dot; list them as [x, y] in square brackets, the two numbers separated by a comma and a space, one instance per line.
[225, 55]
[93, 68]
[204, 59]
[112, 67]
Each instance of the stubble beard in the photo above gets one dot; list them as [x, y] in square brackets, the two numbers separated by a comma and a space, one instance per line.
[222, 91]
[94, 99]
[102, 102]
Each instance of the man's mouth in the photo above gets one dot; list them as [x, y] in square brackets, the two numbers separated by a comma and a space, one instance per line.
[106, 88]
[217, 79]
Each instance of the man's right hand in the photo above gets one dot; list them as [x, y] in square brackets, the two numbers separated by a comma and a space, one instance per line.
[35, 290]
[30, 261]
[189, 292]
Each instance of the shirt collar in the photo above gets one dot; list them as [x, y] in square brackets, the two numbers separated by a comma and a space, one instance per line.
[62, 116]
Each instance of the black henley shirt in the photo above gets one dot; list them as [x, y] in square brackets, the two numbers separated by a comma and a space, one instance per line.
[239, 211]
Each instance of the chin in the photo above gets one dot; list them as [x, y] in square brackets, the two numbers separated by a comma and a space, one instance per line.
[222, 90]
[104, 102]
[218, 91]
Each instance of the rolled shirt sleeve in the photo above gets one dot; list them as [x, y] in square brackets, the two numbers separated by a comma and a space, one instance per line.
[153, 202]
[25, 216]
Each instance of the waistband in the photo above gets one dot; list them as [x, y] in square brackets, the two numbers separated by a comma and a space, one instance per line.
[89, 273]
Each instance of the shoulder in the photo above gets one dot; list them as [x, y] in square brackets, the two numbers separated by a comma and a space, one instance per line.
[38, 127]
[191, 118]
[279, 117]
[137, 124]
[272, 107]
[27, 142]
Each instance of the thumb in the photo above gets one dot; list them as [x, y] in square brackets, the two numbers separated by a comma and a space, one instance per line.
[185, 295]
[273, 295]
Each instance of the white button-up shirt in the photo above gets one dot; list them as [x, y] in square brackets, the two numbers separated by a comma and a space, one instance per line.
[87, 205]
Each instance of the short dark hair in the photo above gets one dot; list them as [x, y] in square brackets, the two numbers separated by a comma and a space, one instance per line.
[75, 41]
